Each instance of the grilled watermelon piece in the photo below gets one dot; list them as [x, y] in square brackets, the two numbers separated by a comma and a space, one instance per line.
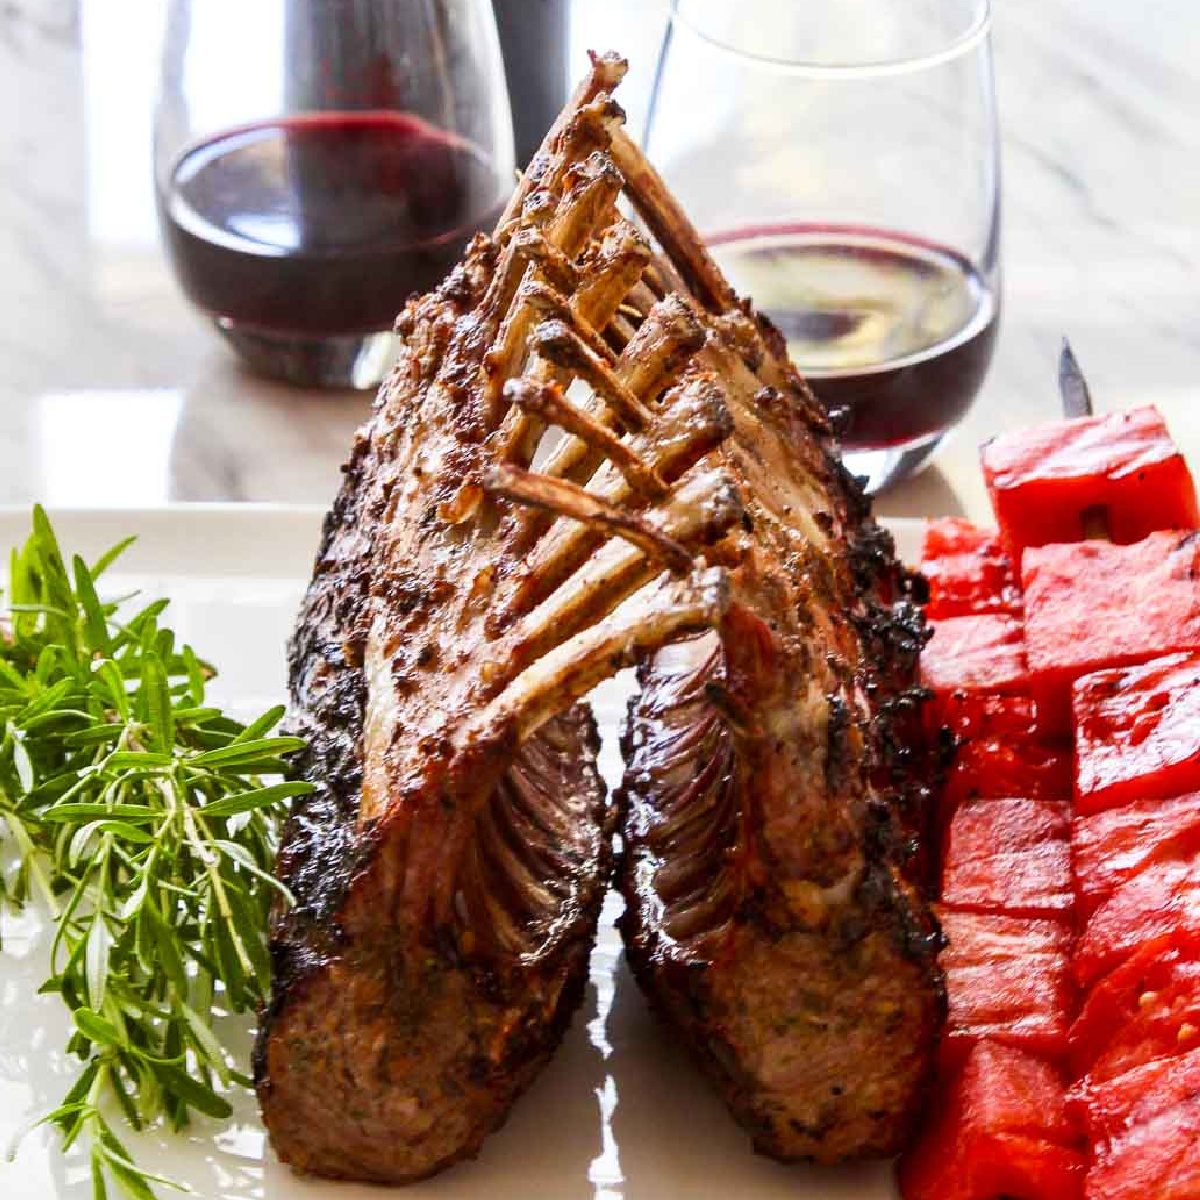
[1109, 848]
[968, 571]
[946, 537]
[1134, 1014]
[1006, 1091]
[1152, 1151]
[976, 654]
[1093, 605]
[1043, 479]
[1001, 1129]
[1137, 733]
[981, 715]
[1166, 1025]
[970, 585]
[1009, 856]
[1162, 902]
[1103, 1110]
[1007, 766]
[1156, 1161]
[1008, 981]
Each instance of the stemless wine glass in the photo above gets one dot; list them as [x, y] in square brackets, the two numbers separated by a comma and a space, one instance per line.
[317, 161]
[843, 166]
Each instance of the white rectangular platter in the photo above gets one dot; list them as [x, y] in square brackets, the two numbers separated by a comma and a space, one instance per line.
[619, 1114]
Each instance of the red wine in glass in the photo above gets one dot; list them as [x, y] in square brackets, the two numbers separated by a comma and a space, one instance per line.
[892, 332]
[321, 224]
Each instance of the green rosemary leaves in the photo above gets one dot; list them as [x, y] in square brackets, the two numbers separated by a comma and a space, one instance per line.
[141, 817]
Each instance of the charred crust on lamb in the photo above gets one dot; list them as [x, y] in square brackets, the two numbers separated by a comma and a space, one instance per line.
[474, 581]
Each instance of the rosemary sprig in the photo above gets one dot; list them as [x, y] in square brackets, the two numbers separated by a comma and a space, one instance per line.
[142, 817]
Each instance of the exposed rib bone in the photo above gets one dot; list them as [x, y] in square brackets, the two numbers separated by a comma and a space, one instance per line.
[705, 507]
[534, 301]
[622, 258]
[594, 188]
[651, 617]
[696, 420]
[589, 132]
[548, 402]
[539, 210]
[670, 226]
[654, 358]
[582, 209]
[527, 246]
[570, 500]
[654, 281]
[549, 304]
[607, 71]
[555, 341]
[619, 333]
[641, 300]
[511, 348]
[665, 341]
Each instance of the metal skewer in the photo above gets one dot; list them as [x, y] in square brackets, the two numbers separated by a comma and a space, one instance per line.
[1076, 395]
[1077, 402]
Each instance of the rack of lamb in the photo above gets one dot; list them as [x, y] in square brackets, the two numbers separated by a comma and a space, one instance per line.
[592, 454]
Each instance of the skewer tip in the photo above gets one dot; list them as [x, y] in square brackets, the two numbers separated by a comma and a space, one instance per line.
[1073, 387]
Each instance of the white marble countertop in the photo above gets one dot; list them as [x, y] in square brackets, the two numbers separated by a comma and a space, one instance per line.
[113, 392]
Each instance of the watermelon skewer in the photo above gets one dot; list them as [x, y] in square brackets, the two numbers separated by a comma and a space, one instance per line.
[1093, 577]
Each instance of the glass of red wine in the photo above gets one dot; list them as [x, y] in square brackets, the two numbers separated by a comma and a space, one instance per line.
[843, 166]
[318, 161]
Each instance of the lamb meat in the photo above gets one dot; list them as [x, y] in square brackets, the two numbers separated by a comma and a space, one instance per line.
[777, 792]
[777, 786]
[450, 865]
[589, 450]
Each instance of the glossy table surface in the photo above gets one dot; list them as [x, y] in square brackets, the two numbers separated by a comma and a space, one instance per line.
[113, 392]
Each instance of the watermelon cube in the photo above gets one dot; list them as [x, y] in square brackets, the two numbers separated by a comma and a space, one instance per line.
[1001, 1129]
[1137, 733]
[1157, 1161]
[1042, 480]
[1135, 1013]
[1162, 902]
[1009, 856]
[967, 570]
[1007, 1091]
[1111, 847]
[1008, 981]
[1025, 1002]
[1003, 767]
[970, 715]
[946, 537]
[1105, 1109]
[1156, 1158]
[1143, 1126]
[1166, 1025]
[976, 654]
[1093, 605]
[970, 584]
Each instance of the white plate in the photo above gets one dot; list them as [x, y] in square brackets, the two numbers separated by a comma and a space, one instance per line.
[618, 1115]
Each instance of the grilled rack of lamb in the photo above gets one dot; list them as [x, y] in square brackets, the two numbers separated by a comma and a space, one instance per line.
[499, 547]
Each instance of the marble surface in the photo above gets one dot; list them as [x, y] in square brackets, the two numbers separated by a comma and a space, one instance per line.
[113, 392]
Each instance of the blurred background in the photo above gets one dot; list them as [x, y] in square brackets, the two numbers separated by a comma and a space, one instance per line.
[114, 391]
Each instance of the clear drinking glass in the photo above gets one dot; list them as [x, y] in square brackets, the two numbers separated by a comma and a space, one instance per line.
[317, 161]
[842, 162]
